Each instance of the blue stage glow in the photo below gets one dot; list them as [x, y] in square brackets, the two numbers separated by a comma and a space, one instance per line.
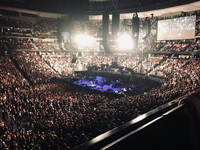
[101, 84]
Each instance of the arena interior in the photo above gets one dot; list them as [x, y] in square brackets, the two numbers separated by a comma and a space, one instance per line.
[99, 74]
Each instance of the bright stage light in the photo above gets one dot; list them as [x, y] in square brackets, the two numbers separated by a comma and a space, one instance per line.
[84, 40]
[125, 41]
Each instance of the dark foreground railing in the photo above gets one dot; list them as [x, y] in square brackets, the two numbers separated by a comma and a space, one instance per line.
[175, 125]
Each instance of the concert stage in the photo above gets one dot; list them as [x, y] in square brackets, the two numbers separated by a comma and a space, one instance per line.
[101, 84]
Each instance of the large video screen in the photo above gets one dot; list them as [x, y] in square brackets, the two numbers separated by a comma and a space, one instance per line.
[177, 29]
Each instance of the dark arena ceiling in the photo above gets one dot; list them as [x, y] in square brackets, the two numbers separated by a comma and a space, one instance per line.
[93, 6]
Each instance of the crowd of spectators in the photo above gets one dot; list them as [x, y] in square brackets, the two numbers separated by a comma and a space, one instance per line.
[59, 115]
[61, 62]
[18, 32]
[46, 45]
[196, 47]
[19, 43]
[176, 47]
[169, 46]
[47, 29]
[148, 64]
[128, 61]
[27, 43]
[41, 26]
[62, 116]
[18, 23]
[26, 28]
[37, 69]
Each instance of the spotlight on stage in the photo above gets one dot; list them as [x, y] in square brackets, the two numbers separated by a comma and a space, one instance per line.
[125, 42]
[84, 40]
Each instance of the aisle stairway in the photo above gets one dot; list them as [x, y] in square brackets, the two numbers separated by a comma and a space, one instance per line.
[24, 74]
[161, 61]
[33, 43]
[48, 64]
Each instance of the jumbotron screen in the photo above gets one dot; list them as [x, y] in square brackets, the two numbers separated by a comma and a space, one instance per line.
[177, 29]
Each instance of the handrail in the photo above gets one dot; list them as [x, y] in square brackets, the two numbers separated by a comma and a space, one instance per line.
[115, 134]
[142, 127]
[112, 137]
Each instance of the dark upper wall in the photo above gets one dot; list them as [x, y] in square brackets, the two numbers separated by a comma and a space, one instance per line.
[66, 6]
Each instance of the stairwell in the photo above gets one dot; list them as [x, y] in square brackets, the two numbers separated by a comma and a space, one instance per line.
[162, 47]
[33, 43]
[48, 64]
[155, 66]
[24, 74]
[139, 63]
